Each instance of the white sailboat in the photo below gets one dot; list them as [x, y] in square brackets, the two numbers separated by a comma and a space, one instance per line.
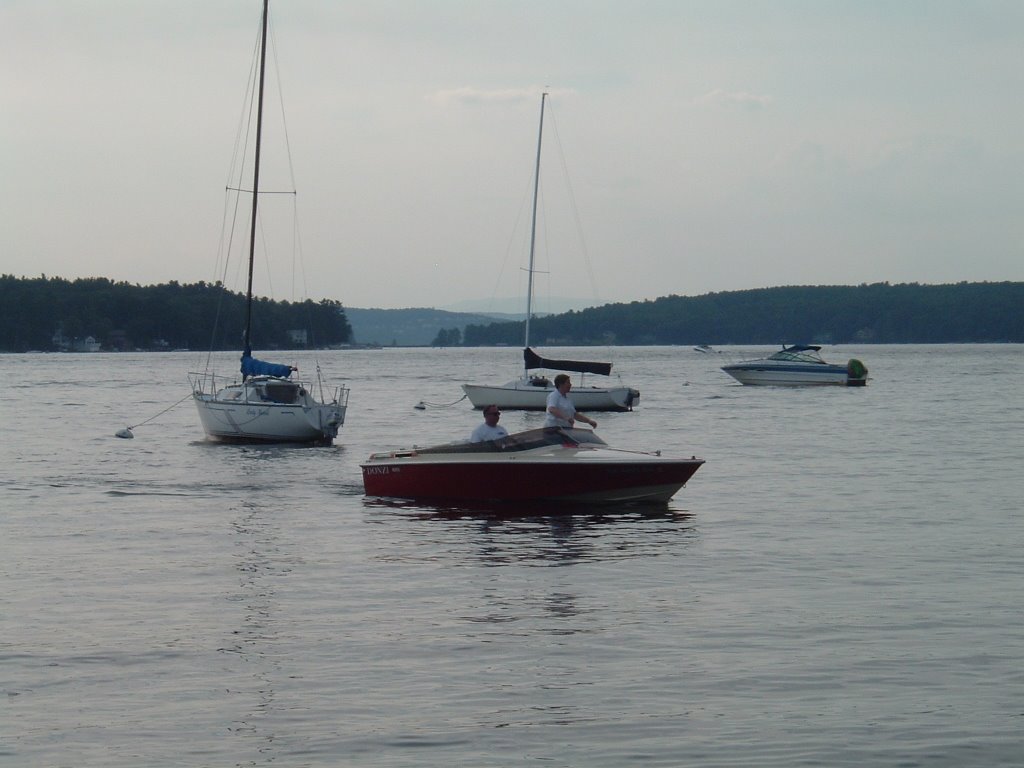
[530, 391]
[267, 405]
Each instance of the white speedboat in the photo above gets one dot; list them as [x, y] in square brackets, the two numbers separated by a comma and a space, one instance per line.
[561, 465]
[266, 405]
[530, 391]
[798, 365]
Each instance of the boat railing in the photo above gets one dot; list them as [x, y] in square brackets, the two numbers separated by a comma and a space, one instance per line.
[341, 393]
[205, 384]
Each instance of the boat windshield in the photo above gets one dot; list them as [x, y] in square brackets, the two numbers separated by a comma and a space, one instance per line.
[798, 355]
[522, 441]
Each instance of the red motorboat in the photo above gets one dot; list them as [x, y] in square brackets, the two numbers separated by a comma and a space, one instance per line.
[551, 464]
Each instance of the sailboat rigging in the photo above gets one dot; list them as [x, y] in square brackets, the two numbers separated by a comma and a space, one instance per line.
[267, 405]
[530, 391]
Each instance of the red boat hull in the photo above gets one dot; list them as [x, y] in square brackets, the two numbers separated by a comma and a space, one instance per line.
[515, 481]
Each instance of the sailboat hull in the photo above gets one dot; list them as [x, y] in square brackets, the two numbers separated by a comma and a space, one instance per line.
[260, 423]
[269, 410]
[523, 395]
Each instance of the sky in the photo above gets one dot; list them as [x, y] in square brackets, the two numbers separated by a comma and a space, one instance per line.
[691, 146]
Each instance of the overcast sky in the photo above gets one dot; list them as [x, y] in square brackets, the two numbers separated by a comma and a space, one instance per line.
[708, 145]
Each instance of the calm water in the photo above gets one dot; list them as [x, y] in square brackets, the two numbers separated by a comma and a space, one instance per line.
[841, 583]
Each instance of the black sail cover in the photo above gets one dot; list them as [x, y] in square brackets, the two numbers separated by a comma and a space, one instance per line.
[533, 360]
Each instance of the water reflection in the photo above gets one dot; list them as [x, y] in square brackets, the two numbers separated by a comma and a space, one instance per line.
[260, 448]
[539, 534]
[525, 510]
[260, 564]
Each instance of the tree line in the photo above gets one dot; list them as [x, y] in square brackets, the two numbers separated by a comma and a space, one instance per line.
[53, 313]
[879, 313]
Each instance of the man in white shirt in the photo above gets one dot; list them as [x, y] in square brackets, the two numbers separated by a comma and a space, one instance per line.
[561, 411]
[490, 429]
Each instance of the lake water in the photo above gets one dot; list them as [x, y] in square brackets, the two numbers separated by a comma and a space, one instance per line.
[840, 585]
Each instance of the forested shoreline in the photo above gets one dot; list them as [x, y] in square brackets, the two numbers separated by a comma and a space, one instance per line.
[88, 314]
[49, 314]
[879, 313]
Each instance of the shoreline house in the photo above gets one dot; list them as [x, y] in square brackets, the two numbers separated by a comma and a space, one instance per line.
[63, 344]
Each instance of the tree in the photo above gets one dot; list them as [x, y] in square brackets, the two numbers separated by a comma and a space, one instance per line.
[447, 338]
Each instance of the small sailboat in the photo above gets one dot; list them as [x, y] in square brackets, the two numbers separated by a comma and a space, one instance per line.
[530, 391]
[267, 405]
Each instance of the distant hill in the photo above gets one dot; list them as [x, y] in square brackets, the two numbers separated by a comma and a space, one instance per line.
[880, 313]
[515, 305]
[414, 327]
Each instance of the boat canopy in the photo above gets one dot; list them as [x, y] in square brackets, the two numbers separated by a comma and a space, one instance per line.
[533, 360]
[253, 367]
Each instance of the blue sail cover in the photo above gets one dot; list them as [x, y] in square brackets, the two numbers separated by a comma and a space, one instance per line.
[253, 367]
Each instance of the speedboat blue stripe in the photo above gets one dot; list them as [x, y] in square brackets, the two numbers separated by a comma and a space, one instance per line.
[838, 369]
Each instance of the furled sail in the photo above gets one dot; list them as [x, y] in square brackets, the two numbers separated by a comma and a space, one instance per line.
[533, 360]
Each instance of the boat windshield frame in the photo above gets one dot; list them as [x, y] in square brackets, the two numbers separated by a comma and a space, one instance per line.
[808, 354]
[523, 441]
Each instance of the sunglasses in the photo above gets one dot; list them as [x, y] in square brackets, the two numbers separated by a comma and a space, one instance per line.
[492, 413]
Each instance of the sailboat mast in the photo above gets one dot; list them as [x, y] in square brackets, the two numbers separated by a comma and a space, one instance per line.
[256, 177]
[533, 228]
